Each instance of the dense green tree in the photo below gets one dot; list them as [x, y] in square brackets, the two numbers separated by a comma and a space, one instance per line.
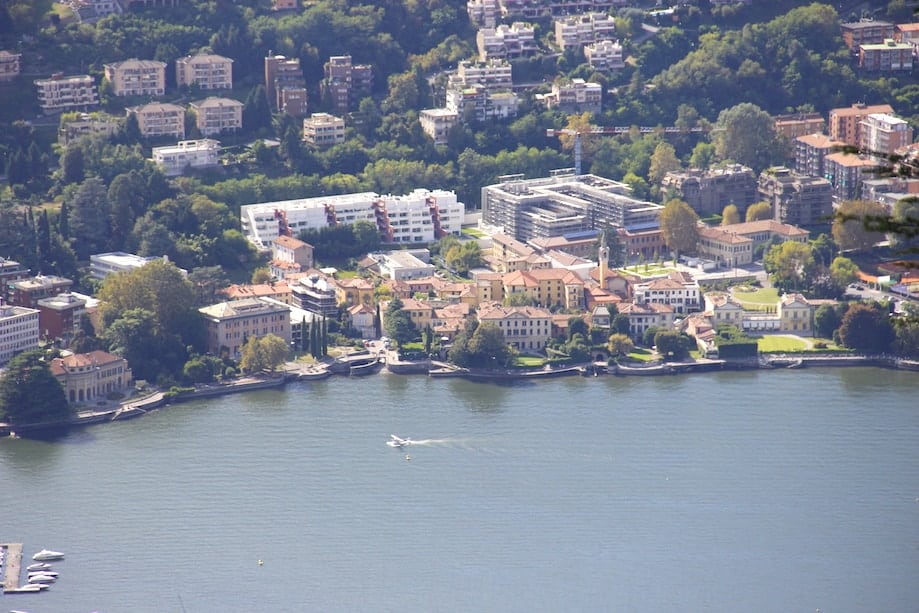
[843, 271]
[464, 256]
[790, 265]
[398, 323]
[680, 227]
[849, 229]
[826, 320]
[703, 155]
[746, 134]
[758, 211]
[72, 165]
[867, 329]
[89, 225]
[663, 160]
[577, 325]
[263, 353]
[906, 343]
[487, 347]
[730, 215]
[29, 393]
[620, 344]
[672, 344]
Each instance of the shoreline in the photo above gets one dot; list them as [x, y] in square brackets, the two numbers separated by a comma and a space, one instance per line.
[138, 407]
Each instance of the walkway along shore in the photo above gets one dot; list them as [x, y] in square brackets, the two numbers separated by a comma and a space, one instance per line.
[135, 407]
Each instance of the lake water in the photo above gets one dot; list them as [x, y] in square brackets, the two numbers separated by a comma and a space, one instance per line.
[790, 490]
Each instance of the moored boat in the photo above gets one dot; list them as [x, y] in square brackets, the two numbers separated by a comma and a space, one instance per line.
[46, 555]
[38, 566]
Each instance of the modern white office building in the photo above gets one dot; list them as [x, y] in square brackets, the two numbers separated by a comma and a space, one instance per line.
[419, 217]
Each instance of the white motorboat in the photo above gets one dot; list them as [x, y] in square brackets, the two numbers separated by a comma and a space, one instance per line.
[395, 441]
[42, 579]
[39, 566]
[46, 555]
[46, 573]
[29, 587]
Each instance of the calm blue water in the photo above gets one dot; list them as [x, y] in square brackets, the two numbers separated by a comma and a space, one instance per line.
[764, 491]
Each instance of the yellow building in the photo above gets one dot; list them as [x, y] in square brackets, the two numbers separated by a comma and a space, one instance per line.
[91, 376]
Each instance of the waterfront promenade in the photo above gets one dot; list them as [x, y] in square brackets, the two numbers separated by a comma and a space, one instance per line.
[294, 371]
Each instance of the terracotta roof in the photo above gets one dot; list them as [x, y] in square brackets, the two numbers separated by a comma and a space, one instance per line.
[290, 242]
[60, 366]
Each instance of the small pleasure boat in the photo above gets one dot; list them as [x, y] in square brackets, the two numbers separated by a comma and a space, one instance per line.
[46, 555]
[39, 566]
[395, 441]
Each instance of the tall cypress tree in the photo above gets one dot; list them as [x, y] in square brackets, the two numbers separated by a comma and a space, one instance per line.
[325, 338]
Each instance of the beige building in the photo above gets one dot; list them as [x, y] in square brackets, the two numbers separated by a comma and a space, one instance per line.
[323, 130]
[290, 255]
[215, 115]
[507, 41]
[160, 119]
[579, 30]
[548, 287]
[91, 376]
[137, 77]
[60, 93]
[605, 55]
[526, 329]
[643, 316]
[229, 324]
[437, 123]
[206, 70]
[10, 66]
[87, 124]
[19, 330]
[725, 248]
[574, 96]
[738, 244]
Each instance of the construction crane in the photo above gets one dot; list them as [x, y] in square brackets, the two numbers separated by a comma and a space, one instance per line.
[613, 130]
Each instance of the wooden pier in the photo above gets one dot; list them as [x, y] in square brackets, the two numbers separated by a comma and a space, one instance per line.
[12, 566]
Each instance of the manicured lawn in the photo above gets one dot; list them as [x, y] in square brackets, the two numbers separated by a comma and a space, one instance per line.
[651, 270]
[473, 232]
[641, 355]
[529, 361]
[788, 344]
[754, 299]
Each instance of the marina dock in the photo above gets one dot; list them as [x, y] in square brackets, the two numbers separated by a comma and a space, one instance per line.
[12, 566]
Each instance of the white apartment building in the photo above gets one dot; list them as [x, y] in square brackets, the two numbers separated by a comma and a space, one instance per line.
[580, 30]
[507, 41]
[476, 102]
[174, 159]
[402, 265]
[19, 330]
[102, 265]
[215, 115]
[574, 96]
[60, 93]
[10, 65]
[484, 13]
[206, 70]
[160, 119]
[678, 290]
[437, 123]
[419, 217]
[323, 130]
[137, 77]
[882, 134]
[605, 55]
[494, 74]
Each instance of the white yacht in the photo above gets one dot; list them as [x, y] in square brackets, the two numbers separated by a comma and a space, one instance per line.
[38, 566]
[46, 555]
